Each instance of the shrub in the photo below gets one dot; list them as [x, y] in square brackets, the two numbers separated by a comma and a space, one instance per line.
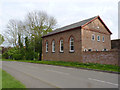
[5, 55]
[17, 56]
[12, 52]
[20, 54]
[31, 55]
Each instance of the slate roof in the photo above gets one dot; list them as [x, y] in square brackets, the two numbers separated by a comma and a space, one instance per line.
[71, 26]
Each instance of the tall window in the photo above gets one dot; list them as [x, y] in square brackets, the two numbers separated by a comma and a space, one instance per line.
[61, 45]
[53, 46]
[47, 46]
[93, 37]
[71, 44]
[103, 39]
[98, 38]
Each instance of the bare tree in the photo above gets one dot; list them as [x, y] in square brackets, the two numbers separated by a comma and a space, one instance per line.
[13, 29]
[36, 24]
[39, 23]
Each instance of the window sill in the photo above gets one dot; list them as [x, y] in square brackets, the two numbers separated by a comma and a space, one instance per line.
[61, 52]
[71, 51]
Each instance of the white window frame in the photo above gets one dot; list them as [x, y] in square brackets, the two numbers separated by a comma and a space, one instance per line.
[105, 50]
[103, 39]
[97, 37]
[46, 46]
[96, 50]
[85, 50]
[71, 45]
[61, 42]
[92, 37]
[53, 46]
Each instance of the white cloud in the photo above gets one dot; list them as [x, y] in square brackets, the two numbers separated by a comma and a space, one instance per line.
[24, 1]
[119, 20]
[65, 11]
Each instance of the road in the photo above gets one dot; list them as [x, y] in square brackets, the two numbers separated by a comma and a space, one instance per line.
[49, 76]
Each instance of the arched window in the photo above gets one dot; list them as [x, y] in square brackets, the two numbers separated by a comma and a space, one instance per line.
[53, 46]
[46, 46]
[61, 45]
[71, 44]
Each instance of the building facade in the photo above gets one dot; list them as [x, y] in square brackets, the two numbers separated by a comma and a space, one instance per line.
[68, 43]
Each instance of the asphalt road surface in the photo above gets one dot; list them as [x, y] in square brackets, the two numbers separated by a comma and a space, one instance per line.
[49, 76]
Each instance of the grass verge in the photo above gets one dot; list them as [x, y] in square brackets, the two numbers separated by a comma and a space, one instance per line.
[10, 82]
[0, 79]
[103, 67]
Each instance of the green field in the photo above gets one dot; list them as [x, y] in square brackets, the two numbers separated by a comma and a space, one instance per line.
[101, 67]
[10, 82]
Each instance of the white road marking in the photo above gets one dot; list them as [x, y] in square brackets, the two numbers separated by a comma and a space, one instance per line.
[58, 72]
[102, 81]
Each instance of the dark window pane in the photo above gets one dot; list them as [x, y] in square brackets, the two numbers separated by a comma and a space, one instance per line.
[72, 47]
[93, 37]
[89, 50]
[71, 43]
[62, 48]
[105, 49]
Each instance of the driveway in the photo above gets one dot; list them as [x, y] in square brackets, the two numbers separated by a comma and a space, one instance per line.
[49, 76]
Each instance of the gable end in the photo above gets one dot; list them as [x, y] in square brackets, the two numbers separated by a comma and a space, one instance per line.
[98, 17]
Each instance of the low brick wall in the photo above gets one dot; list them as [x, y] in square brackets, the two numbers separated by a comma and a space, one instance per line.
[107, 57]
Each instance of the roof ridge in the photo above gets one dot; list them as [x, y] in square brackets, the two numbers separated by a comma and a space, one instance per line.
[76, 22]
[70, 26]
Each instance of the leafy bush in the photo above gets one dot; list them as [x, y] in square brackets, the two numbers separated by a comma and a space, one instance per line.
[17, 56]
[31, 55]
[5, 55]
[12, 52]
[20, 54]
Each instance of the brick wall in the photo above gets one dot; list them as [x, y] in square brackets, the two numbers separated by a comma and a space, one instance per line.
[91, 29]
[108, 57]
[66, 55]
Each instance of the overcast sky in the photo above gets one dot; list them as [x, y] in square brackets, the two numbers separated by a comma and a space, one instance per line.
[65, 11]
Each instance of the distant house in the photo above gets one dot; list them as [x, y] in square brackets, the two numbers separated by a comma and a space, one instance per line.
[68, 43]
[115, 44]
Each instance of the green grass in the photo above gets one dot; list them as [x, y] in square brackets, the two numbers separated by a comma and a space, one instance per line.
[103, 67]
[0, 78]
[10, 82]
